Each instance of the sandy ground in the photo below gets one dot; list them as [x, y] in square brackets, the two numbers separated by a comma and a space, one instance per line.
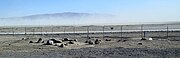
[16, 47]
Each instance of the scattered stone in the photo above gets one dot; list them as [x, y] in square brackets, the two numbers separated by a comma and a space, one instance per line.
[49, 42]
[86, 41]
[89, 37]
[30, 41]
[71, 42]
[124, 40]
[42, 42]
[139, 43]
[143, 39]
[57, 44]
[27, 38]
[150, 39]
[97, 41]
[91, 42]
[119, 41]
[65, 44]
[66, 39]
[56, 41]
[23, 38]
[75, 40]
[108, 40]
[62, 45]
[39, 40]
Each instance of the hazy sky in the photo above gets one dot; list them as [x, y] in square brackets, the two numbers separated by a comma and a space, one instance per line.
[131, 10]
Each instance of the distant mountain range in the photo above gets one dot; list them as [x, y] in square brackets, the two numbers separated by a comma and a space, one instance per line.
[73, 18]
[66, 15]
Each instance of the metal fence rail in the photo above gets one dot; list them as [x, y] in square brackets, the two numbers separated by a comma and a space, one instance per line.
[143, 30]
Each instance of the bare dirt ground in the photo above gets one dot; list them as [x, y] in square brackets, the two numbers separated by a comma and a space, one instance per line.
[126, 47]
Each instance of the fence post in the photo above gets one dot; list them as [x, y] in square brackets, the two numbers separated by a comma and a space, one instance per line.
[13, 31]
[52, 31]
[88, 32]
[103, 31]
[121, 32]
[142, 32]
[33, 31]
[41, 31]
[74, 31]
[64, 30]
[167, 30]
[25, 30]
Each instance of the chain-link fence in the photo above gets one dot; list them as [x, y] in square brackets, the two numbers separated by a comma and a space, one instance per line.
[106, 31]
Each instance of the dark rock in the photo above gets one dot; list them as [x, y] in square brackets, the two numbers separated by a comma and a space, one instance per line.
[108, 40]
[23, 38]
[97, 41]
[71, 42]
[91, 42]
[62, 45]
[56, 41]
[31, 42]
[39, 40]
[139, 43]
[66, 39]
[65, 44]
[143, 39]
[86, 41]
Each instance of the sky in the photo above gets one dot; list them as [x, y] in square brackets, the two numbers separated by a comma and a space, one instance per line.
[126, 10]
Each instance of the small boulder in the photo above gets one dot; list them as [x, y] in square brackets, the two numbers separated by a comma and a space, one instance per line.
[139, 43]
[49, 42]
[75, 40]
[39, 40]
[150, 39]
[27, 38]
[124, 40]
[66, 44]
[23, 38]
[66, 39]
[91, 42]
[86, 41]
[97, 41]
[143, 39]
[30, 41]
[71, 42]
[108, 40]
[62, 45]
